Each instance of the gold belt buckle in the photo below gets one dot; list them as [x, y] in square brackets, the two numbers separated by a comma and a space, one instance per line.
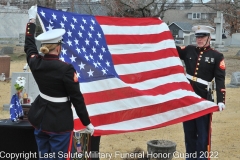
[194, 78]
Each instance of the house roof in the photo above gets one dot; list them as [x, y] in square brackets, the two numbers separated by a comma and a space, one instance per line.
[175, 15]
[186, 27]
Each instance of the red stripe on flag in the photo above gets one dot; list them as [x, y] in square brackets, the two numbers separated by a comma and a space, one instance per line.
[143, 56]
[142, 76]
[144, 111]
[128, 92]
[168, 123]
[115, 21]
[137, 39]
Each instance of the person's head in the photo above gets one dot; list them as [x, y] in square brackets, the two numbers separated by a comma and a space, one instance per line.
[203, 35]
[51, 41]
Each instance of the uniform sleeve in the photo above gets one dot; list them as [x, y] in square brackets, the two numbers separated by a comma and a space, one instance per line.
[72, 86]
[181, 52]
[219, 75]
[30, 47]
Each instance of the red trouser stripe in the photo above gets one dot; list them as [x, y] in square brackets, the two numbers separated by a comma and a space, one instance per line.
[70, 146]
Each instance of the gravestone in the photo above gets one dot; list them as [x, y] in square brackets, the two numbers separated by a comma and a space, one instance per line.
[21, 39]
[235, 39]
[5, 65]
[235, 79]
[6, 50]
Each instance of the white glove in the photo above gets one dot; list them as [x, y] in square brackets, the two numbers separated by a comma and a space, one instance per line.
[88, 129]
[32, 12]
[221, 106]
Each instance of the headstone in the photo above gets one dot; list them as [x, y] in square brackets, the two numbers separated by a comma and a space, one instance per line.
[21, 39]
[187, 40]
[5, 65]
[235, 39]
[6, 50]
[235, 79]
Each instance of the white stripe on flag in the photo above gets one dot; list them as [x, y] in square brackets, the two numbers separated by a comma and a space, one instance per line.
[136, 102]
[134, 30]
[139, 48]
[157, 118]
[133, 68]
[114, 83]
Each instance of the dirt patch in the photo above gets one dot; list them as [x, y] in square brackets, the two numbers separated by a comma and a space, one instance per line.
[225, 124]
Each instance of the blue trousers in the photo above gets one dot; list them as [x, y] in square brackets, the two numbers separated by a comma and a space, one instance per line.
[53, 146]
[197, 137]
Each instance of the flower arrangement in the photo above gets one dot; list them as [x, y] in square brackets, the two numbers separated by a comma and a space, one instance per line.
[20, 83]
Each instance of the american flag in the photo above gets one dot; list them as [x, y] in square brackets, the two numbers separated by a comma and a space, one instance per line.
[129, 71]
[16, 111]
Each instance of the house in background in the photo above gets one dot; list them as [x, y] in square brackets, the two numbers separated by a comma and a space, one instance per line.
[180, 29]
[182, 20]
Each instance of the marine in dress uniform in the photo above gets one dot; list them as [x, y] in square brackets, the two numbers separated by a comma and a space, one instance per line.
[203, 65]
[51, 112]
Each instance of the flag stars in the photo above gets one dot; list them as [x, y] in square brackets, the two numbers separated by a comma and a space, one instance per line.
[108, 64]
[83, 49]
[100, 56]
[87, 42]
[73, 59]
[64, 18]
[86, 57]
[104, 71]
[90, 73]
[62, 24]
[98, 63]
[103, 49]
[74, 20]
[50, 27]
[50, 21]
[76, 41]
[42, 13]
[89, 35]
[69, 33]
[62, 58]
[99, 35]
[94, 49]
[81, 65]
[82, 27]
[80, 34]
[91, 56]
[54, 16]
[84, 21]
[64, 51]
[92, 28]
[72, 25]
[78, 74]
[93, 22]
[69, 42]
[95, 64]
[78, 50]
[96, 42]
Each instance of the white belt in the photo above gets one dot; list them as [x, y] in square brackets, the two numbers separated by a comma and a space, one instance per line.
[53, 99]
[196, 79]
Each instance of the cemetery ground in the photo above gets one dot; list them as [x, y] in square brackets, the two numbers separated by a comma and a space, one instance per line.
[225, 124]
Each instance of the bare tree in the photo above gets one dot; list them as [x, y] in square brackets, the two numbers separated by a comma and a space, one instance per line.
[231, 12]
[136, 8]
